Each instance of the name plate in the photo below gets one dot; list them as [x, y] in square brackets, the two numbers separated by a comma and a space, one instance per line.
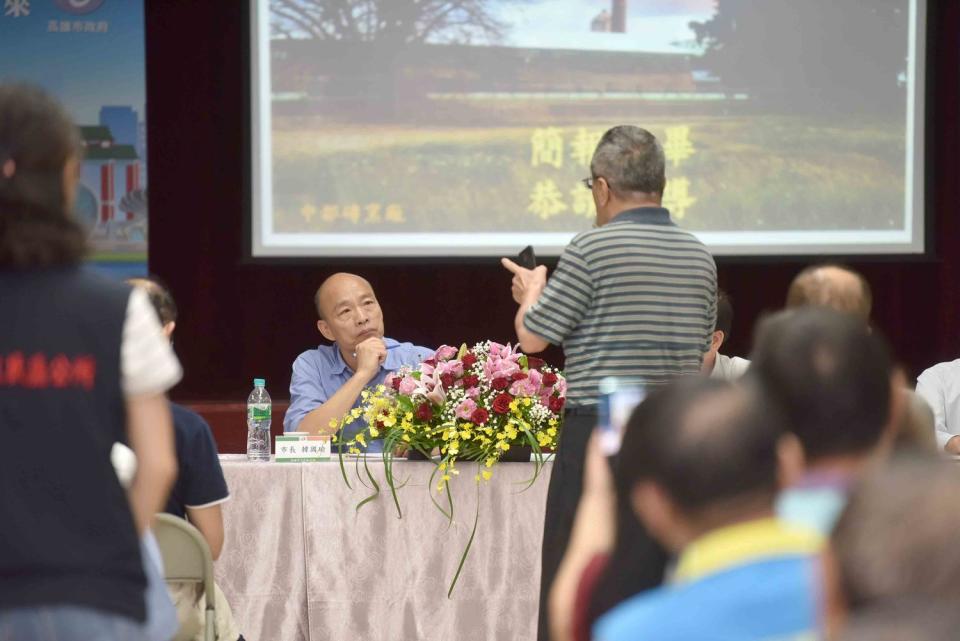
[301, 448]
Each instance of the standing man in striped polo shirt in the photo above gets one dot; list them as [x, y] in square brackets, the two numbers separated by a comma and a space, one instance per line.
[635, 297]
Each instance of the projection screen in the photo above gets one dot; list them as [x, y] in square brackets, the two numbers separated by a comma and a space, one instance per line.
[394, 128]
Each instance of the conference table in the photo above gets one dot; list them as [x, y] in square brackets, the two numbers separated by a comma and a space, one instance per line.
[300, 562]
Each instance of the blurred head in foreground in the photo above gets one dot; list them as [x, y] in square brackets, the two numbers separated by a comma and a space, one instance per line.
[833, 379]
[896, 540]
[40, 156]
[705, 453]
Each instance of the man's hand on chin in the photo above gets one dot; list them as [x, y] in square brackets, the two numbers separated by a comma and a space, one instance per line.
[371, 353]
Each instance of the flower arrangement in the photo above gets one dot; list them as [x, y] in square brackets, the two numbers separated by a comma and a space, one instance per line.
[472, 404]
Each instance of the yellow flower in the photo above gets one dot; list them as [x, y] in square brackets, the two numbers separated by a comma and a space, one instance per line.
[446, 477]
[552, 431]
[527, 402]
[406, 437]
[374, 432]
[409, 416]
[487, 475]
[334, 423]
[552, 422]
[490, 461]
[443, 466]
[361, 440]
[354, 450]
[390, 421]
[466, 434]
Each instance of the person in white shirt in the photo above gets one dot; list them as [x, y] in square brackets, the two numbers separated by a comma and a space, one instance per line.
[940, 387]
[715, 364]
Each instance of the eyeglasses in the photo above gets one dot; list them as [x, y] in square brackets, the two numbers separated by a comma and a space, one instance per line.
[588, 182]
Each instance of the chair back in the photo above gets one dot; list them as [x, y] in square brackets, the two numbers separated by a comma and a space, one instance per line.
[186, 558]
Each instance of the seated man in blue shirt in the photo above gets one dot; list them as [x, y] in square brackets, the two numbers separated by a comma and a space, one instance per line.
[327, 381]
[706, 452]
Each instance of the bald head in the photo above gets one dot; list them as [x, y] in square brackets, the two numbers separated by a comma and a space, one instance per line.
[833, 286]
[337, 288]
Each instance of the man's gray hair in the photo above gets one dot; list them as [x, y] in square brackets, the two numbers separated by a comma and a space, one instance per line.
[631, 160]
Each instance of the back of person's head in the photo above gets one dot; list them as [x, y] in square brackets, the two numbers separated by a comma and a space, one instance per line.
[897, 536]
[724, 314]
[631, 160]
[39, 150]
[834, 286]
[913, 620]
[705, 443]
[160, 298]
[917, 430]
[830, 375]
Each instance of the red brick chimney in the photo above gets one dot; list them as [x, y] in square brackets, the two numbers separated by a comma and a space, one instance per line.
[618, 16]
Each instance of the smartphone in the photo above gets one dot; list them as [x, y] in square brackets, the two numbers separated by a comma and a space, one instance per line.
[527, 259]
[618, 398]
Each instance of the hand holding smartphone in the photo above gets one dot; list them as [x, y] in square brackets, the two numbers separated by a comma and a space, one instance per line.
[618, 398]
[526, 258]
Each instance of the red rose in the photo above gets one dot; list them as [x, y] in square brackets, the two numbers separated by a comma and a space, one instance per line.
[395, 383]
[479, 416]
[470, 381]
[468, 360]
[500, 383]
[425, 412]
[535, 363]
[447, 379]
[550, 379]
[556, 404]
[518, 376]
[501, 404]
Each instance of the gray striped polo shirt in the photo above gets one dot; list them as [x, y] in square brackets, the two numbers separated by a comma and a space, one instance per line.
[635, 298]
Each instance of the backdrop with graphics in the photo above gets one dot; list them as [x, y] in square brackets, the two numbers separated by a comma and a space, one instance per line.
[90, 55]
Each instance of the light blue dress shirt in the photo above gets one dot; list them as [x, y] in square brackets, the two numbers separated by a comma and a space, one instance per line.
[319, 373]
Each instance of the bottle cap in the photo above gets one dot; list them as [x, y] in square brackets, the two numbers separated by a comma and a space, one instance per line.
[259, 382]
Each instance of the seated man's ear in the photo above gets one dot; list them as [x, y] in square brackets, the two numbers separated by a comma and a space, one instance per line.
[325, 330]
[717, 340]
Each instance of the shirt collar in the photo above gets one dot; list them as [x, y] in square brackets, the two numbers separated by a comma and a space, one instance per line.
[392, 362]
[644, 216]
[742, 543]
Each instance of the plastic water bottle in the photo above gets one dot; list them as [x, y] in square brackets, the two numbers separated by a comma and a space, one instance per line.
[259, 408]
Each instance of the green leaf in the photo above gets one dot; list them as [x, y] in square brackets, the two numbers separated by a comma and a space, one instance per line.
[466, 551]
[524, 362]
[388, 445]
[416, 374]
[343, 470]
[463, 351]
[376, 486]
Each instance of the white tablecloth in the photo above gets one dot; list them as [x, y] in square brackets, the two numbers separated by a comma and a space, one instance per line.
[300, 562]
